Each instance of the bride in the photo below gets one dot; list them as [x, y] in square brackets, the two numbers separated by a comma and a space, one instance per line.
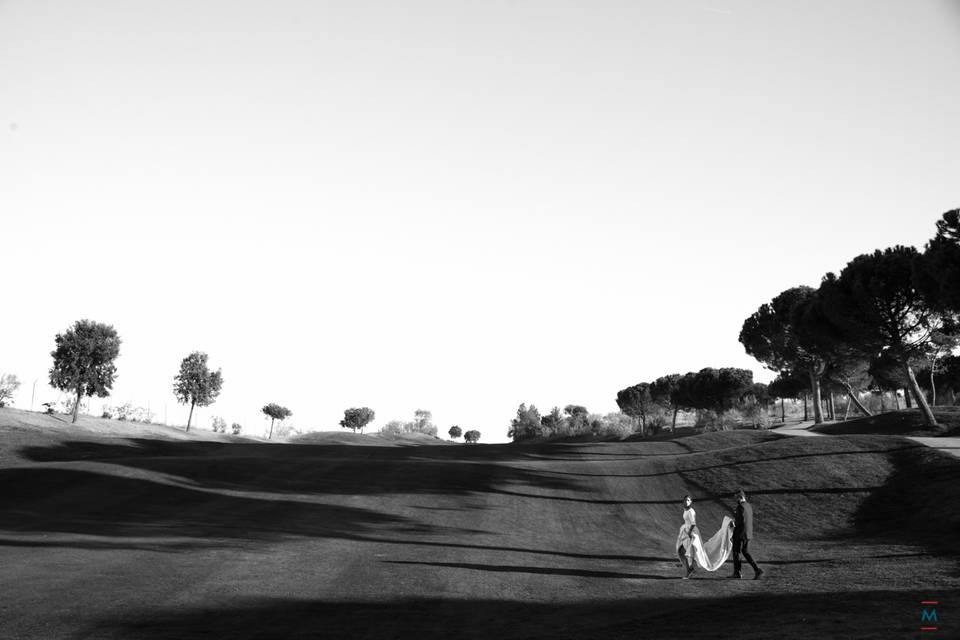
[711, 554]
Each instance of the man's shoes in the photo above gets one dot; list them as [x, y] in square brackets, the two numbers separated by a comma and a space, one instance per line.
[758, 574]
[736, 576]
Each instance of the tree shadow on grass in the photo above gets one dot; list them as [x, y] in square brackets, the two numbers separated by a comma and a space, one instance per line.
[313, 469]
[547, 571]
[80, 502]
[752, 616]
[920, 501]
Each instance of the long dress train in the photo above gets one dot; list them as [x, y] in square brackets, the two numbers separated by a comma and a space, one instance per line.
[714, 552]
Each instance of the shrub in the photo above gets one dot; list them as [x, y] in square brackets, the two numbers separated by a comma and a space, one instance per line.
[393, 429]
[125, 411]
[8, 384]
[236, 428]
[616, 424]
[218, 424]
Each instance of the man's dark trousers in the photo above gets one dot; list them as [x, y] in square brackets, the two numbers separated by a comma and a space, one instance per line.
[742, 545]
[742, 534]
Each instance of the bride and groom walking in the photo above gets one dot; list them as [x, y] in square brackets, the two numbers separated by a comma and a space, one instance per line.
[734, 537]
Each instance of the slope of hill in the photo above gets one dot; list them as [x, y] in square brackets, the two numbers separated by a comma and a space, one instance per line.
[907, 422]
[362, 439]
[32, 421]
[161, 538]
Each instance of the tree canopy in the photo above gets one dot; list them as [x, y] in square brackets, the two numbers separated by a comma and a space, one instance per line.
[196, 385]
[9, 383]
[83, 360]
[661, 393]
[770, 335]
[937, 274]
[876, 306]
[636, 402]
[526, 425]
[275, 412]
[357, 418]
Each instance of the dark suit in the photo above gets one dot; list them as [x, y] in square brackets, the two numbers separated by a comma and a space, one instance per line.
[742, 535]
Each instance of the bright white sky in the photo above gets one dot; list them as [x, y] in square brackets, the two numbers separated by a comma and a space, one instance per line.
[456, 206]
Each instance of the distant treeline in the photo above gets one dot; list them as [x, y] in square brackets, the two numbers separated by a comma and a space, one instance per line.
[889, 321]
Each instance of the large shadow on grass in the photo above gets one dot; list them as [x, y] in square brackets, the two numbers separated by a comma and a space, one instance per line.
[920, 501]
[799, 616]
[65, 501]
[316, 469]
[166, 490]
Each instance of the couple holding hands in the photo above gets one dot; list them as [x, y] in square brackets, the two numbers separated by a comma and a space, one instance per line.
[733, 537]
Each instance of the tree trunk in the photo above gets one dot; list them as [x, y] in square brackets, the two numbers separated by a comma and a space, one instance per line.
[856, 400]
[805, 406]
[673, 426]
[846, 410]
[919, 397]
[907, 398]
[76, 405]
[933, 387]
[190, 417]
[817, 401]
[896, 399]
[883, 406]
[783, 411]
[270, 437]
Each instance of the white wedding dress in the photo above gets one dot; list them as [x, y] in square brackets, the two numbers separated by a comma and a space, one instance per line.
[711, 554]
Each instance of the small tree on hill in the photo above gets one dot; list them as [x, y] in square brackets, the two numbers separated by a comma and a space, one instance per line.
[552, 423]
[83, 360]
[357, 418]
[236, 428]
[472, 436]
[423, 422]
[275, 412]
[578, 419]
[394, 428]
[9, 383]
[455, 432]
[218, 424]
[196, 385]
[526, 425]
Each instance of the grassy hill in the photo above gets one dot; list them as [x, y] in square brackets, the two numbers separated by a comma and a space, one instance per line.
[365, 439]
[145, 537]
[907, 422]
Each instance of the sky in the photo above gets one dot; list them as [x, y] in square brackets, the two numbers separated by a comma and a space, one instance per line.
[453, 206]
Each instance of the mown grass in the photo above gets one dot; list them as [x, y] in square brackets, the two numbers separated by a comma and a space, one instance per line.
[907, 422]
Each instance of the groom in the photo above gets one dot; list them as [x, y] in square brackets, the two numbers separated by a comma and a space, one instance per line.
[742, 535]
